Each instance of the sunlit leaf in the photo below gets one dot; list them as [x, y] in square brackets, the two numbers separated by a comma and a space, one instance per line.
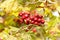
[1, 26]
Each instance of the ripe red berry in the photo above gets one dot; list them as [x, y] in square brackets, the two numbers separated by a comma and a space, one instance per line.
[42, 21]
[26, 15]
[27, 22]
[41, 16]
[21, 13]
[35, 19]
[32, 22]
[31, 17]
[18, 21]
[21, 20]
[36, 15]
[36, 23]
[23, 17]
[28, 19]
[39, 20]
[34, 30]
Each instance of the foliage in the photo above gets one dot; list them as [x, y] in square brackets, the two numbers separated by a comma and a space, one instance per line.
[12, 31]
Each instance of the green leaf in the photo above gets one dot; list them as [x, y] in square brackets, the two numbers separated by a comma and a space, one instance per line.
[21, 2]
[9, 21]
[51, 23]
[32, 6]
[2, 14]
[1, 26]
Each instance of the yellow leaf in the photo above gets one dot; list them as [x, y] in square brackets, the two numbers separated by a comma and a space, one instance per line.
[14, 13]
[26, 9]
[42, 4]
[58, 8]
[15, 6]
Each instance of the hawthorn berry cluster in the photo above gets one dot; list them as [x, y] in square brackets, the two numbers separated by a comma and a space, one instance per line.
[28, 18]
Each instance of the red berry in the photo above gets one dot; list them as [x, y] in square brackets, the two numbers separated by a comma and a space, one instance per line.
[23, 17]
[35, 19]
[31, 17]
[21, 20]
[36, 23]
[40, 16]
[18, 21]
[34, 30]
[42, 21]
[21, 13]
[36, 15]
[26, 15]
[32, 22]
[27, 19]
[39, 20]
[27, 22]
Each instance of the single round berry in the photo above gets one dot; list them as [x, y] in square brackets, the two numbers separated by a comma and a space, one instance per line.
[26, 15]
[36, 23]
[28, 19]
[21, 13]
[36, 15]
[21, 20]
[42, 21]
[31, 17]
[41, 16]
[35, 19]
[18, 21]
[39, 20]
[27, 22]
[34, 30]
[32, 22]
[23, 17]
